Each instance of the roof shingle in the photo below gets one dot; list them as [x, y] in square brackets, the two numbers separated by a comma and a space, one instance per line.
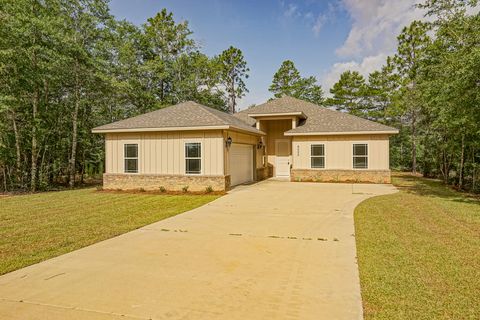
[319, 119]
[186, 114]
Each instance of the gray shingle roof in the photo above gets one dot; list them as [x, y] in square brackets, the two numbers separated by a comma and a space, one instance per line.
[319, 119]
[185, 114]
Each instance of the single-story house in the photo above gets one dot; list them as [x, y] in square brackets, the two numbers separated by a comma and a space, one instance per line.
[194, 146]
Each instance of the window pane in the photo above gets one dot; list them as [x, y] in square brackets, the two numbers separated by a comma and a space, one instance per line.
[193, 150]
[318, 162]
[131, 150]
[193, 166]
[131, 165]
[360, 150]
[360, 162]
[318, 150]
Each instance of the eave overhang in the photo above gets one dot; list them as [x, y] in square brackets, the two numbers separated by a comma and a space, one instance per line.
[167, 129]
[298, 114]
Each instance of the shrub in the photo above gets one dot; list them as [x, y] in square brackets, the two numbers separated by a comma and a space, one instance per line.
[99, 188]
[209, 189]
[185, 189]
[162, 189]
[142, 190]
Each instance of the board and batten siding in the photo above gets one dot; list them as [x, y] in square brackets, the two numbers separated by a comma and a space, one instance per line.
[339, 151]
[164, 152]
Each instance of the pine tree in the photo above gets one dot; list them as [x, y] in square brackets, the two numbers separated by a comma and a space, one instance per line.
[288, 81]
[233, 70]
[348, 94]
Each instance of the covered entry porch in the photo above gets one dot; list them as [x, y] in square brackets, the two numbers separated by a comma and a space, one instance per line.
[278, 147]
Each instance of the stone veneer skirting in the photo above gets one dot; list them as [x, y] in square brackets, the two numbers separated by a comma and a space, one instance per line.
[371, 176]
[262, 173]
[150, 182]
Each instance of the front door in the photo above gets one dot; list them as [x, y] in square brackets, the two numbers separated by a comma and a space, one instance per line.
[282, 158]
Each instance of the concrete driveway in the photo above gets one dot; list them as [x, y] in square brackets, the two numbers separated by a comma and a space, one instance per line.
[274, 250]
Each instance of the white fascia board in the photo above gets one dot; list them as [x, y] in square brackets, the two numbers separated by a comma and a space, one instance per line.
[277, 114]
[160, 129]
[338, 133]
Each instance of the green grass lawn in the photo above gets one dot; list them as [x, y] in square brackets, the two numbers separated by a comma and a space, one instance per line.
[419, 252]
[40, 226]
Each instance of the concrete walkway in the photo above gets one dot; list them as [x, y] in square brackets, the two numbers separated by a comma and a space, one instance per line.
[274, 250]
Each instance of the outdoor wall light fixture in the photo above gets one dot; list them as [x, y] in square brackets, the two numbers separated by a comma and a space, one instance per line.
[228, 142]
[260, 144]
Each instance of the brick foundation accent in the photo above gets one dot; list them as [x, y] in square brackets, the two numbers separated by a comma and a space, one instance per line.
[152, 182]
[228, 182]
[369, 176]
[269, 170]
[262, 173]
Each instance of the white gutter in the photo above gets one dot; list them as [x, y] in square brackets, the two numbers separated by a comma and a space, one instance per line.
[338, 133]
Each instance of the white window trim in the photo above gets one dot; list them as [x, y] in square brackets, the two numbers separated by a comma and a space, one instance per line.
[129, 158]
[185, 157]
[354, 156]
[324, 155]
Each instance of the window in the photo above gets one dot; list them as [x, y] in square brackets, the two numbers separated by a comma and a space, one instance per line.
[317, 155]
[131, 158]
[193, 158]
[360, 156]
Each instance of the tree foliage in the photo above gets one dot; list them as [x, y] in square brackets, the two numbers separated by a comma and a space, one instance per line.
[67, 66]
[288, 81]
[430, 90]
[348, 94]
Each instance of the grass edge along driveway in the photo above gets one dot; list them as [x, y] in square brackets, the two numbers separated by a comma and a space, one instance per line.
[418, 252]
[37, 227]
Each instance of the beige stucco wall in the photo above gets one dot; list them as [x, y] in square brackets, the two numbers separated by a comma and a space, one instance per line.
[339, 151]
[164, 152]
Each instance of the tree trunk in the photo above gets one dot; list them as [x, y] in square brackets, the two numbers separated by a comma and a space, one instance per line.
[401, 155]
[232, 94]
[82, 172]
[33, 172]
[18, 163]
[474, 170]
[4, 179]
[462, 162]
[444, 167]
[35, 105]
[71, 177]
[446, 162]
[41, 171]
[414, 143]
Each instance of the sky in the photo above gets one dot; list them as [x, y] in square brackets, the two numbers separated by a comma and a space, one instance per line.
[322, 37]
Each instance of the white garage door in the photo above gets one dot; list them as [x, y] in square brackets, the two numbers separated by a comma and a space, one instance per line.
[241, 163]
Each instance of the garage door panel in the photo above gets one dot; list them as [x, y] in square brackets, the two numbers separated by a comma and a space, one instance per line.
[241, 163]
